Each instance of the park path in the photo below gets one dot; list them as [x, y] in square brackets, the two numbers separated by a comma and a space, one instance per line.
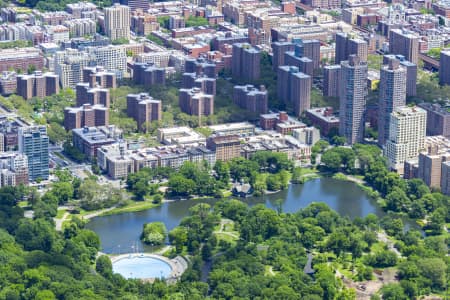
[59, 222]
[382, 237]
[97, 213]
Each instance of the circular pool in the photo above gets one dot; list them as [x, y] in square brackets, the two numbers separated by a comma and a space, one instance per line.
[141, 267]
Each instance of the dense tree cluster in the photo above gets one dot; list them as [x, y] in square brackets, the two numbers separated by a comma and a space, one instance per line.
[411, 197]
[154, 233]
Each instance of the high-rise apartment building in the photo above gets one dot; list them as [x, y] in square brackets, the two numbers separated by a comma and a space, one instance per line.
[430, 162]
[405, 43]
[251, 98]
[33, 142]
[246, 62]
[226, 147]
[196, 103]
[69, 65]
[144, 109]
[411, 72]
[304, 64]
[278, 50]
[37, 85]
[331, 83]
[352, 99]
[112, 58]
[98, 76]
[86, 94]
[200, 66]
[294, 88]
[346, 45]
[444, 67]
[309, 49]
[392, 95]
[86, 115]
[204, 83]
[438, 119]
[117, 21]
[148, 74]
[406, 136]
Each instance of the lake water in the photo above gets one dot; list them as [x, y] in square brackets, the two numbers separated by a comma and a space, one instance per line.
[120, 233]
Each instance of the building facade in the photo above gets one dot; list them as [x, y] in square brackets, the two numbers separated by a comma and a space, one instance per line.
[143, 109]
[37, 85]
[406, 136]
[353, 96]
[251, 98]
[33, 142]
[117, 22]
[392, 95]
[86, 115]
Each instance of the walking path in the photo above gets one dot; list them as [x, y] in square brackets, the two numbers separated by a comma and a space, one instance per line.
[59, 222]
[97, 213]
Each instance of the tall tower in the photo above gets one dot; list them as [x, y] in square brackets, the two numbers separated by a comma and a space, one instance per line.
[353, 97]
[117, 21]
[392, 95]
[406, 136]
[33, 142]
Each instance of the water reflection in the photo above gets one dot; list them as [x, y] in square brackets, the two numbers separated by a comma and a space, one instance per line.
[124, 229]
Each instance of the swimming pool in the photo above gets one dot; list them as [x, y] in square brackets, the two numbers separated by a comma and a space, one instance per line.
[142, 267]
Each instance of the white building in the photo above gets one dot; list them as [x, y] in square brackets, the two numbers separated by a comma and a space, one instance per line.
[307, 135]
[406, 136]
[117, 21]
[69, 66]
[81, 27]
[112, 58]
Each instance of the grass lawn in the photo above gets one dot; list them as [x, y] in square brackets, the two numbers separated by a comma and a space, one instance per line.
[133, 207]
[60, 213]
[23, 204]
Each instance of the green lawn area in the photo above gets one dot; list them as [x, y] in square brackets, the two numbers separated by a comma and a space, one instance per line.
[228, 234]
[23, 204]
[133, 207]
[60, 213]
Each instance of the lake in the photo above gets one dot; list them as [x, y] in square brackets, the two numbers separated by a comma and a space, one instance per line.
[120, 233]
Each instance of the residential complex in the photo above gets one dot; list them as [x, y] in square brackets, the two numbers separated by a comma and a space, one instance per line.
[250, 98]
[37, 85]
[194, 102]
[294, 88]
[246, 62]
[86, 115]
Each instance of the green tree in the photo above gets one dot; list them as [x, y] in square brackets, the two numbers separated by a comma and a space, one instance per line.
[154, 233]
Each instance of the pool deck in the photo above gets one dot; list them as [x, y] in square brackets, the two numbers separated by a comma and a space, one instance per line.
[177, 264]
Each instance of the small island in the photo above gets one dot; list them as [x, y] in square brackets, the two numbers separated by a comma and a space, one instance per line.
[154, 233]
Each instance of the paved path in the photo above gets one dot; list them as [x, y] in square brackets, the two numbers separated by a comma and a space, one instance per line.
[382, 237]
[97, 213]
[59, 222]
[224, 222]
